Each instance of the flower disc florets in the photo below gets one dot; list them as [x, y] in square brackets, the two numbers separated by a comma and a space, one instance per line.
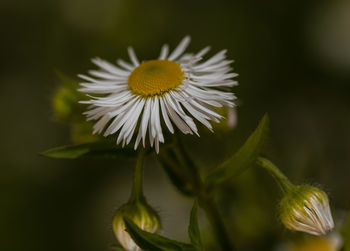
[306, 209]
[171, 90]
[155, 77]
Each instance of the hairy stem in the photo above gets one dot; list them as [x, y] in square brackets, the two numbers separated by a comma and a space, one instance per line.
[273, 170]
[137, 187]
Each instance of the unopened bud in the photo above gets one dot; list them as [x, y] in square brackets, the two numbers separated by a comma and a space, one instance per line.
[142, 215]
[306, 209]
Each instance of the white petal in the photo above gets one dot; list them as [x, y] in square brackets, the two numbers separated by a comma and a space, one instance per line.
[129, 133]
[132, 56]
[131, 118]
[203, 97]
[165, 115]
[105, 75]
[214, 59]
[87, 78]
[145, 119]
[202, 52]
[218, 66]
[164, 52]
[138, 139]
[105, 65]
[150, 135]
[97, 112]
[177, 108]
[180, 48]
[157, 145]
[121, 118]
[105, 82]
[176, 119]
[156, 120]
[103, 89]
[125, 65]
[98, 127]
[214, 83]
[199, 116]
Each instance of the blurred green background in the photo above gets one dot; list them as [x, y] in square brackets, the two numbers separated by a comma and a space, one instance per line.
[293, 60]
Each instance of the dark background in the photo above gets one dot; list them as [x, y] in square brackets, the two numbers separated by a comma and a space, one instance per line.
[293, 60]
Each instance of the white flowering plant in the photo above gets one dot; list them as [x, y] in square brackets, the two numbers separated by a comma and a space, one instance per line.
[150, 104]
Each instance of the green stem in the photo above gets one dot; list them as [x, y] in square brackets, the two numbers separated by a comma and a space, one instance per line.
[206, 201]
[213, 215]
[280, 178]
[137, 187]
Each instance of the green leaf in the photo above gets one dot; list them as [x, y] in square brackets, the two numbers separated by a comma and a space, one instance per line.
[94, 149]
[345, 232]
[193, 228]
[243, 158]
[154, 242]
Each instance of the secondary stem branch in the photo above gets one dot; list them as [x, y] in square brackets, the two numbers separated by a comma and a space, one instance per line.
[206, 201]
[273, 170]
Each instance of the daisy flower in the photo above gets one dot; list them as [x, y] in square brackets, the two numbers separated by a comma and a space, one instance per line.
[136, 98]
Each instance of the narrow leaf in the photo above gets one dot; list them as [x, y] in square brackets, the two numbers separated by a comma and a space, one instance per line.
[94, 149]
[243, 158]
[154, 242]
[193, 228]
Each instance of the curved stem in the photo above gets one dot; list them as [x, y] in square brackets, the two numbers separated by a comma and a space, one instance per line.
[137, 187]
[206, 201]
[280, 178]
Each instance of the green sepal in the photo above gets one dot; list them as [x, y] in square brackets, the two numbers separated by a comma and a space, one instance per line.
[154, 242]
[193, 228]
[104, 149]
[243, 158]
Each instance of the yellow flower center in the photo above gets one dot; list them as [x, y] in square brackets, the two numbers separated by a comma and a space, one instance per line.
[155, 77]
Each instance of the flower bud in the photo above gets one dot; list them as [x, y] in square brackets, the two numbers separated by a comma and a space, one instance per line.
[306, 209]
[142, 215]
[63, 102]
